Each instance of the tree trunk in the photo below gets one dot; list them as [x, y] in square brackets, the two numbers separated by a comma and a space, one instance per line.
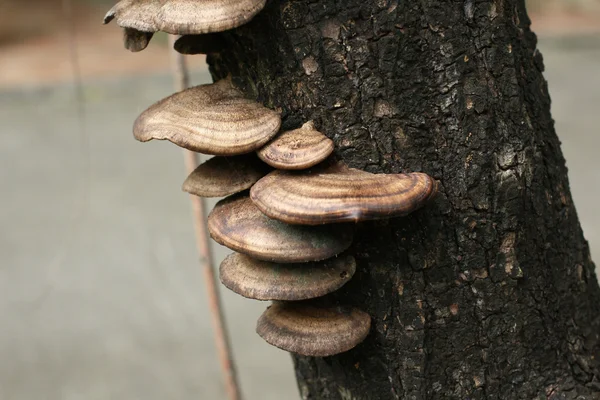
[489, 292]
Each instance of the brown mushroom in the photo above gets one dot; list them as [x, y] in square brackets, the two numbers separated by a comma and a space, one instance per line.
[310, 330]
[336, 193]
[297, 149]
[224, 176]
[184, 17]
[199, 44]
[212, 119]
[136, 14]
[235, 222]
[135, 40]
[262, 280]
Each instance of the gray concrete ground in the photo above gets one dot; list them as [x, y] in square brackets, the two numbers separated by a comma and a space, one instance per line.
[101, 296]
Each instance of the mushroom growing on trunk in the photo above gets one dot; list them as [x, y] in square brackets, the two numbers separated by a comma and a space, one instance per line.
[313, 330]
[180, 17]
[335, 193]
[262, 280]
[211, 119]
[238, 224]
[224, 176]
[297, 149]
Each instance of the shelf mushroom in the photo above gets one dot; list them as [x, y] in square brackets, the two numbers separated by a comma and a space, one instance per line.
[297, 149]
[135, 40]
[335, 193]
[262, 280]
[236, 223]
[211, 119]
[183, 17]
[224, 176]
[306, 329]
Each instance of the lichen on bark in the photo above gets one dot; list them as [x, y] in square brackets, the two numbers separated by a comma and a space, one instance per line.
[488, 293]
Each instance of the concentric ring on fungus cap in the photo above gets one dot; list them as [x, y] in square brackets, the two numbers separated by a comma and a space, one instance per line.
[236, 223]
[302, 328]
[335, 193]
[211, 119]
[262, 280]
[184, 17]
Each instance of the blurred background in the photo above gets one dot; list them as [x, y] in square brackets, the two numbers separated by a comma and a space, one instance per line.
[101, 294]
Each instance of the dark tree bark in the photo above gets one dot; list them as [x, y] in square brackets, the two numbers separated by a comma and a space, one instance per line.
[488, 293]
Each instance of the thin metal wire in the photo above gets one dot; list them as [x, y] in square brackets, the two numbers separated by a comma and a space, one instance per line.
[222, 342]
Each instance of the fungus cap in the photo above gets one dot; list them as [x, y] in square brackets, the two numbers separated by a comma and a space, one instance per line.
[297, 149]
[199, 44]
[309, 330]
[135, 40]
[224, 176]
[212, 119]
[262, 280]
[235, 222]
[136, 14]
[336, 193]
[184, 17]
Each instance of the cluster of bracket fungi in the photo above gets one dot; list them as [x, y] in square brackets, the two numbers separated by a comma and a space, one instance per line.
[289, 205]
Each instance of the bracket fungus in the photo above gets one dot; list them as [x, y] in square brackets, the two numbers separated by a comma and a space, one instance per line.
[224, 176]
[336, 193]
[262, 280]
[306, 329]
[135, 40]
[183, 17]
[297, 149]
[235, 222]
[212, 119]
[199, 44]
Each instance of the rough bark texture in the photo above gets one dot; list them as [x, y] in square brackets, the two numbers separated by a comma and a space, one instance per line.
[490, 292]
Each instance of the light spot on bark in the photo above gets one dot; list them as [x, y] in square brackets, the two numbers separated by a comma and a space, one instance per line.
[400, 136]
[310, 65]
[466, 59]
[481, 274]
[469, 9]
[357, 365]
[564, 198]
[382, 109]
[469, 103]
[382, 4]
[401, 288]
[507, 158]
[345, 393]
[509, 48]
[493, 13]
[453, 309]
[478, 381]
[331, 29]
[468, 160]
[511, 266]
[580, 272]
[304, 391]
